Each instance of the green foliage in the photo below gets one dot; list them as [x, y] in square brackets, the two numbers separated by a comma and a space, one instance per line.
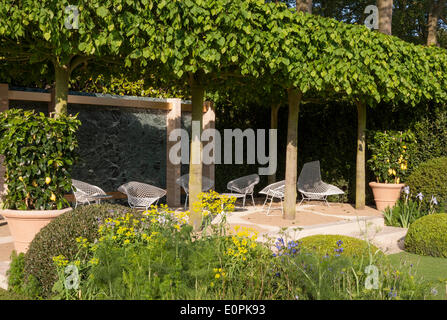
[59, 237]
[39, 154]
[16, 278]
[216, 263]
[7, 295]
[329, 244]
[120, 83]
[391, 154]
[15, 272]
[340, 275]
[430, 128]
[404, 213]
[429, 178]
[427, 236]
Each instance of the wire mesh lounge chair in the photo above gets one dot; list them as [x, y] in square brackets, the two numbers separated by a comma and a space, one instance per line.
[274, 190]
[183, 181]
[244, 187]
[312, 187]
[85, 193]
[141, 195]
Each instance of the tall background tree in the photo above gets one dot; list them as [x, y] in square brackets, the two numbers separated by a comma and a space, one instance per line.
[385, 15]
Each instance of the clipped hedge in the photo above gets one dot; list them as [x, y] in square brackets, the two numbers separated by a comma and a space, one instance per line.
[427, 236]
[328, 244]
[59, 238]
[430, 178]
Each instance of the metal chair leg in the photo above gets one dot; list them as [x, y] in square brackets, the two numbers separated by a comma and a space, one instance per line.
[186, 201]
[268, 211]
[265, 201]
[252, 199]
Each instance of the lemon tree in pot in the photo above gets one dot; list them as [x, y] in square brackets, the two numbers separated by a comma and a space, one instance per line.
[39, 153]
[390, 159]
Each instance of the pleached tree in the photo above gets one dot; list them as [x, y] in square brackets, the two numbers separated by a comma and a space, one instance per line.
[63, 36]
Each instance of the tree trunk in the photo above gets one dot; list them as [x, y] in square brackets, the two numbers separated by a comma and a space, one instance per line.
[385, 15]
[304, 6]
[436, 8]
[294, 96]
[62, 75]
[360, 163]
[195, 164]
[273, 125]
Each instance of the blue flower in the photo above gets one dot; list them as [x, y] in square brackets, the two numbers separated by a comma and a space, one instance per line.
[420, 196]
[392, 294]
[434, 201]
[339, 243]
[406, 190]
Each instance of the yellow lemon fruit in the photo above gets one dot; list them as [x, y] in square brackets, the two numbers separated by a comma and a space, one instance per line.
[53, 197]
[47, 180]
[21, 179]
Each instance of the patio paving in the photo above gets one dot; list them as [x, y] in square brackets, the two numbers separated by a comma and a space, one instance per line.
[314, 218]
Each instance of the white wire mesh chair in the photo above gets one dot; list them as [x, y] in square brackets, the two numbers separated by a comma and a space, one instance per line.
[244, 186]
[84, 192]
[183, 181]
[141, 195]
[312, 187]
[274, 190]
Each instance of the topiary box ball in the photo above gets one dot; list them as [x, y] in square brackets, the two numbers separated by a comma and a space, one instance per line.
[427, 236]
[338, 245]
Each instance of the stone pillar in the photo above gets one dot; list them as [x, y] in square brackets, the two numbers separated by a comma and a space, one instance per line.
[173, 121]
[209, 122]
[4, 105]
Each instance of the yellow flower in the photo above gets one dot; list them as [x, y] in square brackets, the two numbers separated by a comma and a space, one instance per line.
[47, 180]
[217, 276]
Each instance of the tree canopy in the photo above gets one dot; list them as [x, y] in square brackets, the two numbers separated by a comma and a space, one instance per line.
[212, 43]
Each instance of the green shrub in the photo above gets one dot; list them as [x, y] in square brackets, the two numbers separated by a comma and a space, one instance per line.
[15, 273]
[59, 237]
[39, 152]
[430, 179]
[427, 236]
[430, 129]
[329, 244]
[8, 295]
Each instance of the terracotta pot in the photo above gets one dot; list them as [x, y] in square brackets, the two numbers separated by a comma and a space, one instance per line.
[25, 224]
[386, 194]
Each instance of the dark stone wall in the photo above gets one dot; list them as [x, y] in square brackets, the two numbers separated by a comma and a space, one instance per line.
[117, 145]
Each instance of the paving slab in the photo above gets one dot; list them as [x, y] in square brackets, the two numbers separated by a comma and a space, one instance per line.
[4, 266]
